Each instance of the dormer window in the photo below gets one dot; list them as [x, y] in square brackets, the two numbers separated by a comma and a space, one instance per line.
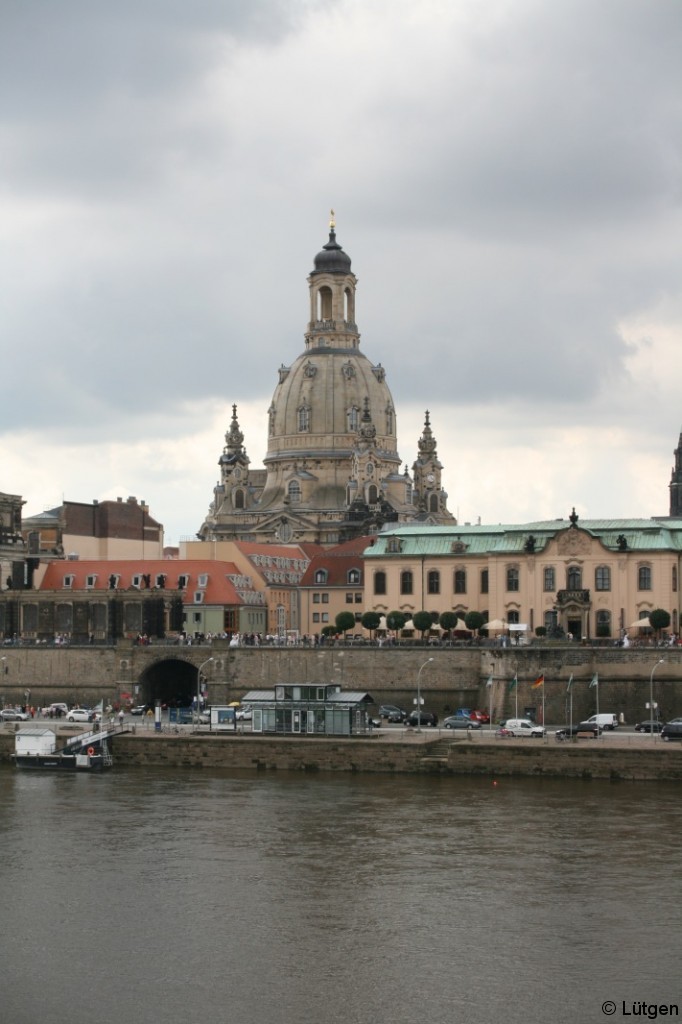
[294, 490]
[183, 581]
[198, 597]
[354, 577]
[137, 580]
[203, 579]
[394, 545]
[68, 581]
[90, 581]
[321, 576]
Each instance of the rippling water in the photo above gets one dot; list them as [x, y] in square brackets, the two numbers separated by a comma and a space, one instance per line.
[189, 897]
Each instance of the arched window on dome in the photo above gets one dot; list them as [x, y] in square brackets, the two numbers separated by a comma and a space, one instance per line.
[389, 418]
[349, 306]
[303, 414]
[239, 498]
[372, 495]
[324, 303]
[294, 490]
[353, 418]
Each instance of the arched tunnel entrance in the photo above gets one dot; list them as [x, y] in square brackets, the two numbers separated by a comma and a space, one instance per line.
[172, 681]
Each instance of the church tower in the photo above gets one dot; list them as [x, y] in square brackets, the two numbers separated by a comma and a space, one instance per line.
[429, 495]
[332, 469]
[675, 485]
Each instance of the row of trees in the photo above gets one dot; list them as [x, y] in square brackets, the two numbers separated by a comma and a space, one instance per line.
[424, 622]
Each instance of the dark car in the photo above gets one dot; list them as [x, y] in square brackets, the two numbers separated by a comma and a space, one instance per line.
[392, 712]
[458, 722]
[573, 730]
[672, 730]
[650, 725]
[422, 718]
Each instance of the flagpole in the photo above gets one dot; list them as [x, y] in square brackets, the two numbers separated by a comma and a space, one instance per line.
[543, 704]
[516, 695]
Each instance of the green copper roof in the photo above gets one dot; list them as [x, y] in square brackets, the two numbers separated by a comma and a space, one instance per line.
[640, 535]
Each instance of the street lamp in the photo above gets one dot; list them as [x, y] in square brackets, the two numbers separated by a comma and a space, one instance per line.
[651, 695]
[419, 695]
[201, 668]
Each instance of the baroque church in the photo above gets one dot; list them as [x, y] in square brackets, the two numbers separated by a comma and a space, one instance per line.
[332, 469]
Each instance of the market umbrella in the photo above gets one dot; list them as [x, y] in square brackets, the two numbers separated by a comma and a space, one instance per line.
[496, 626]
[640, 624]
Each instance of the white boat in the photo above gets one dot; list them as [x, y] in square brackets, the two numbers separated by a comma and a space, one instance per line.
[36, 748]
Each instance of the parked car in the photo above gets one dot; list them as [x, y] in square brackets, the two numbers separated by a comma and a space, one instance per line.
[672, 730]
[577, 727]
[649, 725]
[392, 712]
[244, 713]
[80, 715]
[523, 727]
[480, 716]
[456, 722]
[605, 720]
[141, 709]
[13, 715]
[463, 713]
[422, 718]
[56, 710]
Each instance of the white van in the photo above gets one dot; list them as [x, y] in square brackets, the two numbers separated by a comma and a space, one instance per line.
[603, 720]
[523, 727]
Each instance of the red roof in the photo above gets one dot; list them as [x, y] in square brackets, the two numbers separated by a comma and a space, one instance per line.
[337, 562]
[220, 582]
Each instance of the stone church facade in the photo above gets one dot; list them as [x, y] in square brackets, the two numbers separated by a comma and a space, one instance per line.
[332, 470]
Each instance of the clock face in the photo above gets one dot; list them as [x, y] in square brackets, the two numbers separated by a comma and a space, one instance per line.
[430, 478]
[370, 468]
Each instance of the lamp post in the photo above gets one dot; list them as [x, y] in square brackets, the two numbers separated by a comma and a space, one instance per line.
[201, 668]
[651, 696]
[419, 695]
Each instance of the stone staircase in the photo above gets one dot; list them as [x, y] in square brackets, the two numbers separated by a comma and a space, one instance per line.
[436, 758]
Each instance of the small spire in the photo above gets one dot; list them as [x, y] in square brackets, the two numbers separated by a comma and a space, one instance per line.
[332, 221]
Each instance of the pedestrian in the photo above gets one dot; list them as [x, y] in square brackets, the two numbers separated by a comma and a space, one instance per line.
[121, 716]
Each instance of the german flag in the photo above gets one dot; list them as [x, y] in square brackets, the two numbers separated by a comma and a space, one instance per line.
[540, 681]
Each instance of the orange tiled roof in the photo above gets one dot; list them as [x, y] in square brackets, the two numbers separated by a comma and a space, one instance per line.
[223, 582]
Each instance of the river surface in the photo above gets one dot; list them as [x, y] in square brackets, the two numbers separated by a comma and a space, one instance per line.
[189, 897]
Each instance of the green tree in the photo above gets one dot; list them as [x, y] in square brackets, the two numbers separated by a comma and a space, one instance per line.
[659, 619]
[344, 622]
[370, 621]
[448, 620]
[395, 621]
[541, 631]
[422, 622]
[474, 620]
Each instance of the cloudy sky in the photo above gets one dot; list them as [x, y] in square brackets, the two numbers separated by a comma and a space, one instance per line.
[507, 179]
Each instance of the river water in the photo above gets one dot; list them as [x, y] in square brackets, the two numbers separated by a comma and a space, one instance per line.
[184, 897]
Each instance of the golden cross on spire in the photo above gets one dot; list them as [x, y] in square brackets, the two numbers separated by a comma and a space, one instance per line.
[332, 221]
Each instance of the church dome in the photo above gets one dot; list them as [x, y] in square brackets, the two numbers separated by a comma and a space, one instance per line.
[318, 404]
[332, 259]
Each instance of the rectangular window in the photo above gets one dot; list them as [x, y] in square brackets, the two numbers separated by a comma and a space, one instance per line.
[90, 581]
[316, 598]
[358, 598]
[325, 616]
[549, 579]
[484, 581]
[512, 582]
[316, 616]
[349, 598]
[380, 582]
[460, 581]
[325, 599]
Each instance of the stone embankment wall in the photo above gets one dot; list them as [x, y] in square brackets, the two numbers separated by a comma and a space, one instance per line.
[455, 676]
[583, 760]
